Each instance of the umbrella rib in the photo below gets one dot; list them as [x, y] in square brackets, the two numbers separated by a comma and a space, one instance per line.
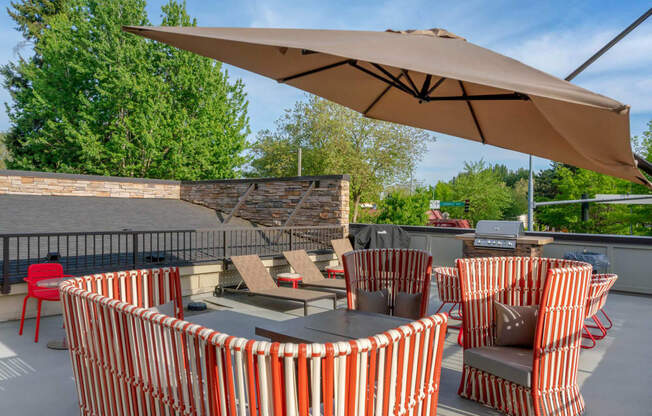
[434, 87]
[396, 80]
[382, 94]
[426, 85]
[391, 83]
[483, 97]
[407, 75]
[475, 119]
[314, 71]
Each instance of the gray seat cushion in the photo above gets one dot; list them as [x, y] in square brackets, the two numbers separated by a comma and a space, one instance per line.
[511, 363]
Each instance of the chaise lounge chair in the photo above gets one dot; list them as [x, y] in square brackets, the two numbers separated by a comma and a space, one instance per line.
[310, 273]
[260, 282]
[341, 247]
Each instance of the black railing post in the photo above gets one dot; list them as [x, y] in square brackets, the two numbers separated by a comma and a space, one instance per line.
[5, 265]
[134, 246]
[290, 230]
[225, 251]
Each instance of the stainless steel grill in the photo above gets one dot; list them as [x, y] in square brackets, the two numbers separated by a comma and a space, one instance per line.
[498, 234]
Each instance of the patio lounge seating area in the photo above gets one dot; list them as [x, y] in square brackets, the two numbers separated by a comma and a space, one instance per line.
[611, 377]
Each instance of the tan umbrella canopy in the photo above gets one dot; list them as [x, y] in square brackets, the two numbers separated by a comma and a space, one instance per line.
[433, 80]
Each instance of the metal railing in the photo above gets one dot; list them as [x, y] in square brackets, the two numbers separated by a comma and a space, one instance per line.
[101, 251]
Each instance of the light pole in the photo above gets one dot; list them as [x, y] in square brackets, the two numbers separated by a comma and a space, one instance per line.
[299, 163]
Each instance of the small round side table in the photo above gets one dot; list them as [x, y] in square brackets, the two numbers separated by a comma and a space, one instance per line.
[292, 278]
[56, 344]
[334, 271]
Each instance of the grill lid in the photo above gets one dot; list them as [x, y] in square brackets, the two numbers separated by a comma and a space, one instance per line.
[498, 234]
[499, 229]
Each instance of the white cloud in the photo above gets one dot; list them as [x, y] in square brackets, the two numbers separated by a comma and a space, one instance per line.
[445, 158]
[622, 73]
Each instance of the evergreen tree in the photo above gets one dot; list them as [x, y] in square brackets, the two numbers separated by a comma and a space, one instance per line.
[101, 101]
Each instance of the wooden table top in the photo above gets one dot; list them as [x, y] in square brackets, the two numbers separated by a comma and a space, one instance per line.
[330, 326]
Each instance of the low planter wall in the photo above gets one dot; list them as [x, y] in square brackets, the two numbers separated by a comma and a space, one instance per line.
[196, 282]
[630, 256]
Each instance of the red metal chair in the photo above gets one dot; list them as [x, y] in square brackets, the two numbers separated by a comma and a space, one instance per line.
[35, 274]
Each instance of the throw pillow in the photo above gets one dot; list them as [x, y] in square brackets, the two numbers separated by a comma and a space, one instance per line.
[375, 302]
[515, 325]
[407, 305]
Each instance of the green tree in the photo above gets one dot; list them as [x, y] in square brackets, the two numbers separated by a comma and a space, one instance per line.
[29, 16]
[3, 151]
[110, 103]
[573, 183]
[404, 208]
[488, 195]
[335, 139]
[519, 200]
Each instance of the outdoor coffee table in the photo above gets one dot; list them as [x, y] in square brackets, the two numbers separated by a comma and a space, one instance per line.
[331, 326]
[57, 344]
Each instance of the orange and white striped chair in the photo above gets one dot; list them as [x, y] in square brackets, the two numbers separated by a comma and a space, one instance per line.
[397, 270]
[598, 291]
[448, 289]
[519, 381]
[128, 360]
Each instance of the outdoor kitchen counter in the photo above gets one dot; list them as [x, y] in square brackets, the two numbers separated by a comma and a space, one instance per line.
[526, 239]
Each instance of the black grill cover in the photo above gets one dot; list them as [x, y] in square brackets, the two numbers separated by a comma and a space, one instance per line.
[599, 261]
[382, 236]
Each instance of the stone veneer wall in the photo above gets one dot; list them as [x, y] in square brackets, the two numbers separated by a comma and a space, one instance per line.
[274, 199]
[269, 204]
[62, 184]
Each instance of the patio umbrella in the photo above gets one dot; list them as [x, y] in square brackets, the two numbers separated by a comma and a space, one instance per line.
[431, 79]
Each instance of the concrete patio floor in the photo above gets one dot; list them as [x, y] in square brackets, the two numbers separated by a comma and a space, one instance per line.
[615, 377]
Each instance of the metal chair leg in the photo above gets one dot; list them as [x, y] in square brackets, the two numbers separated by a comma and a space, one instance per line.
[611, 324]
[599, 326]
[589, 336]
[38, 319]
[22, 316]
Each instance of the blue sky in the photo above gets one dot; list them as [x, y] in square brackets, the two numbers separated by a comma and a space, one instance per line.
[554, 36]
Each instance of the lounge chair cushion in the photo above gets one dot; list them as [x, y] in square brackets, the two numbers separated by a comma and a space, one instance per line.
[407, 305]
[375, 302]
[165, 308]
[511, 363]
[515, 325]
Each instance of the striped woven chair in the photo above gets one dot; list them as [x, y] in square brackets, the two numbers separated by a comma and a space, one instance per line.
[448, 289]
[598, 291]
[128, 360]
[519, 381]
[397, 270]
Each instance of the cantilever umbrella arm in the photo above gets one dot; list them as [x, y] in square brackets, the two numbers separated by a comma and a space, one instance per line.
[643, 164]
